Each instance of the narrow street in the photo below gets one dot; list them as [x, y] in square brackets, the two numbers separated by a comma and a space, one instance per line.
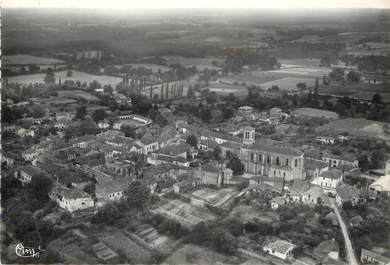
[352, 260]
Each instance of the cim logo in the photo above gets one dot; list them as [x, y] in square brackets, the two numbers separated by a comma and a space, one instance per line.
[27, 252]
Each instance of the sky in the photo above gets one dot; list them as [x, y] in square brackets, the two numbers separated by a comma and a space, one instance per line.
[169, 4]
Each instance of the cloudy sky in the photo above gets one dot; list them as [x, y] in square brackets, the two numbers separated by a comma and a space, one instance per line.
[233, 4]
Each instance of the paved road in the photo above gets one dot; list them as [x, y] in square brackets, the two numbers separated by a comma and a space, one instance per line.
[348, 244]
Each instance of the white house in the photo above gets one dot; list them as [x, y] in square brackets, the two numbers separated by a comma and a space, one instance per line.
[382, 185]
[325, 139]
[329, 180]
[103, 124]
[25, 132]
[279, 248]
[277, 202]
[30, 154]
[71, 199]
[27, 173]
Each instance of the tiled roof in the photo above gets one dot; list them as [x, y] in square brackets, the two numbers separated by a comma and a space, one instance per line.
[345, 156]
[175, 149]
[49, 167]
[209, 168]
[170, 159]
[148, 139]
[314, 164]
[70, 194]
[116, 185]
[332, 174]
[347, 192]
[275, 149]
[376, 256]
[279, 200]
[32, 170]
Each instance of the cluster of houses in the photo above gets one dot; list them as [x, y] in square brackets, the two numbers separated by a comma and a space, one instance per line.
[92, 170]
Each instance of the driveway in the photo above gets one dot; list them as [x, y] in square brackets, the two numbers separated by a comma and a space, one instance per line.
[348, 244]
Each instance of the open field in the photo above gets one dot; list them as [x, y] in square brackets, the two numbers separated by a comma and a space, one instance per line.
[288, 83]
[304, 62]
[358, 91]
[199, 63]
[225, 90]
[309, 39]
[251, 78]
[119, 242]
[153, 67]
[185, 213]
[248, 213]
[303, 71]
[356, 127]
[25, 59]
[191, 254]
[77, 94]
[76, 76]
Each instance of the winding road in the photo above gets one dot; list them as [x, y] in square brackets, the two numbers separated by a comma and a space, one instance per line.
[352, 260]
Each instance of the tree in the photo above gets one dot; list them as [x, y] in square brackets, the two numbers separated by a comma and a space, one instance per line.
[38, 190]
[49, 77]
[108, 214]
[353, 76]
[99, 115]
[223, 241]
[9, 187]
[211, 98]
[377, 98]
[69, 73]
[301, 86]
[138, 195]
[192, 140]
[236, 165]
[81, 112]
[205, 114]
[217, 153]
[38, 112]
[141, 104]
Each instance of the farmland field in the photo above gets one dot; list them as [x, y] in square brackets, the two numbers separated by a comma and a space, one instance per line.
[185, 213]
[250, 78]
[303, 71]
[357, 127]
[25, 59]
[76, 76]
[225, 90]
[76, 94]
[191, 254]
[359, 91]
[308, 62]
[248, 213]
[153, 67]
[120, 242]
[289, 83]
[200, 63]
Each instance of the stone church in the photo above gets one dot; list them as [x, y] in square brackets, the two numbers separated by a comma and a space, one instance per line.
[270, 160]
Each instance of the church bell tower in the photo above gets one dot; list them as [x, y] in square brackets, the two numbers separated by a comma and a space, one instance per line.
[249, 135]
